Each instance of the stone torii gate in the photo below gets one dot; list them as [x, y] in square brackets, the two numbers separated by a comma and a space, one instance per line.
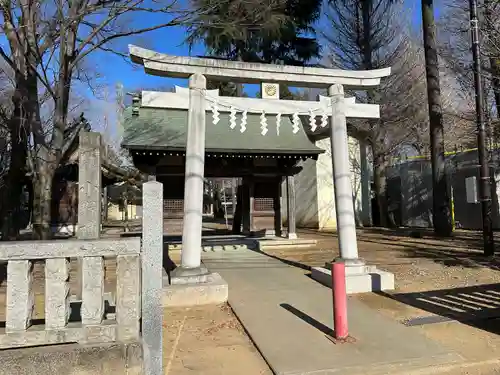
[197, 100]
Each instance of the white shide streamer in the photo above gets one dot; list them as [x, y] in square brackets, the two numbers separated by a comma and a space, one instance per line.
[296, 123]
[215, 114]
[263, 123]
[312, 120]
[278, 123]
[324, 120]
[243, 125]
[232, 118]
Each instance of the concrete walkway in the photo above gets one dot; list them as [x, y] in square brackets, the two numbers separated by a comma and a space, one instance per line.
[287, 315]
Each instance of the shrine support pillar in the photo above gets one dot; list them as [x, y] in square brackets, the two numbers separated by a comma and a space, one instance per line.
[277, 209]
[247, 205]
[290, 207]
[191, 268]
[238, 212]
[251, 195]
[344, 207]
[234, 185]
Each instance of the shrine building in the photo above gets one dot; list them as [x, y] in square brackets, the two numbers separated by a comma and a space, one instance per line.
[284, 167]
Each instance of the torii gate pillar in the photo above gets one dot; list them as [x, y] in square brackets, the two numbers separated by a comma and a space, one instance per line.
[344, 208]
[191, 269]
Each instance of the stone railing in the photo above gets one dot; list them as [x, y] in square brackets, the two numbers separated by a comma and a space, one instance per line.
[94, 326]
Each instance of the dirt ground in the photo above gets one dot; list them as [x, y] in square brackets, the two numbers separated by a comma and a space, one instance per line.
[212, 339]
[450, 271]
[208, 340]
[205, 340]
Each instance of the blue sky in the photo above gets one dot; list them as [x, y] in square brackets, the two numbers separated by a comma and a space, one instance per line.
[170, 41]
[114, 69]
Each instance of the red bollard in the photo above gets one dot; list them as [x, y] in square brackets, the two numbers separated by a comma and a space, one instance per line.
[339, 301]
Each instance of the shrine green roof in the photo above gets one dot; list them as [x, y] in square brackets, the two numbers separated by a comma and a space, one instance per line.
[165, 130]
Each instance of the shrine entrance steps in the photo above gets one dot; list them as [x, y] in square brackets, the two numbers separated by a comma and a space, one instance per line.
[218, 243]
[276, 243]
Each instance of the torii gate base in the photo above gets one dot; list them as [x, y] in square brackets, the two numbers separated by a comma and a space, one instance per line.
[358, 279]
[213, 291]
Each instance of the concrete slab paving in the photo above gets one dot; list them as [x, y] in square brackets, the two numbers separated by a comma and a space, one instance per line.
[288, 315]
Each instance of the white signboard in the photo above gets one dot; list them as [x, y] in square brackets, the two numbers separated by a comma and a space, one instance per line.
[471, 189]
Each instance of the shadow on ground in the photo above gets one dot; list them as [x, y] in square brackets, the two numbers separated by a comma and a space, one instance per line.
[455, 258]
[285, 261]
[308, 319]
[468, 239]
[462, 249]
[477, 306]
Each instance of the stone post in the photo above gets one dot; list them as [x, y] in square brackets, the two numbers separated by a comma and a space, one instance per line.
[290, 194]
[152, 272]
[89, 194]
[366, 206]
[20, 295]
[128, 296]
[93, 290]
[193, 191]
[344, 207]
[57, 304]
[89, 186]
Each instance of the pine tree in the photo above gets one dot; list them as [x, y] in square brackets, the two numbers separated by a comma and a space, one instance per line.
[278, 33]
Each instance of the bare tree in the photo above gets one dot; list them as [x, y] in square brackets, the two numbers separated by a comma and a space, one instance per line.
[492, 47]
[371, 35]
[454, 46]
[48, 42]
[4, 129]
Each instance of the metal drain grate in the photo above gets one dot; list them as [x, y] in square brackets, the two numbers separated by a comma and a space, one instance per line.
[424, 320]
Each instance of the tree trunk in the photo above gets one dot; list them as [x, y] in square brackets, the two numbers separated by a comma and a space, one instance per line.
[42, 201]
[11, 213]
[441, 214]
[380, 182]
[16, 175]
[495, 81]
[489, 19]
[367, 50]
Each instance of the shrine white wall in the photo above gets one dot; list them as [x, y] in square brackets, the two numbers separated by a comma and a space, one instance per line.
[315, 192]
[307, 196]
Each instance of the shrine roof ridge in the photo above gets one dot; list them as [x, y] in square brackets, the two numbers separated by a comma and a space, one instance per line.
[160, 64]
